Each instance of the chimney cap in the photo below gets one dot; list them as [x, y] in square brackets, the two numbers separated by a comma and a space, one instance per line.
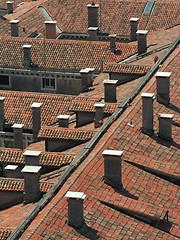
[17, 125]
[85, 70]
[32, 153]
[93, 5]
[90, 69]
[142, 32]
[92, 28]
[2, 98]
[63, 117]
[31, 169]
[14, 21]
[134, 19]
[167, 116]
[112, 153]
[27, 46]
[9, 2]
[50, 22]
[11, 167]
[147, 95]
[36, 105]
[99, 105]
[112, 35]
[163, 74]
[113, 82]
[75, 195]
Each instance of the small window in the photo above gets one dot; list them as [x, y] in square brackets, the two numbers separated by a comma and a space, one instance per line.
[48, 83]
[4, 80]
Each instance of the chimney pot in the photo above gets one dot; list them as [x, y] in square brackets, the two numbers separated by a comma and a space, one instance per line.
[112, 167]
[99, 115]
[32, 158]
[133, 25]
[36, 109]
[14, 28]
[93, 15]
[112, 42]
[27, 55]
[110, 90]
[165, 126]
[142, 41]
[63, 120]
[18, 135]
[50, 27]
[163, 86]
[75, 208]
[10, 6]
[2, 113]
[93, 32]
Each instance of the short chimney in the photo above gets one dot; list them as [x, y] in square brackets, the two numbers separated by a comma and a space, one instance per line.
[50, 27]
[163, 86]
[14, 28]
[84, 78]
[99, 115]
[110, 90]
[32, 158]
[93, 32]
[112, 168]
[27, 55]
[133, 25]
[11, 171]
[2, 113]
[36, 112]
[63, 120]
[10, 6]
[142, 41]
[90, 76]
[165, 126]
[18, 135]
[75, 208]
[31, 183]
[112, 38]
[147, 112]
[93, 15]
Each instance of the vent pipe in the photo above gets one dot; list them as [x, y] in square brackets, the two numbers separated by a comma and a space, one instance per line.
[18, 135]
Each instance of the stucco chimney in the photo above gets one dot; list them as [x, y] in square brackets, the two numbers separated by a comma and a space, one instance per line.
[165, 126]
[134, 25]
[90, 76]
[11, 171]
[18, 135]
[75, 208]
[93, 32]
[63, 120]
[31, 183]
[14, 28]
[163, 86]
[10, 6]
[2, 113]
[32, 158]
[36, 111]
[93, 15]
[147, 112]
[112, 168]
[112, 38]
[85, 78]
[50, 27]
[27, 55]
[99, 115]
[110, 90]
[142, 41]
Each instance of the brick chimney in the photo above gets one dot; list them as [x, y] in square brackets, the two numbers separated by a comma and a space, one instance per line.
[14, 28]
[36, 111]
[18, 135]
[63, 120]
[110, 90]
[50, 27]
[93, 32]
[32, 158]
[2, 113]
[99, 115]
[134, 24]
[112, 38]
[75, 208]
[10, 7]
[112, 168]
[27, 55]
[93, 15]
[31, 183]
[142, 41]
[163, 86]
[165, 126]
[147, 112]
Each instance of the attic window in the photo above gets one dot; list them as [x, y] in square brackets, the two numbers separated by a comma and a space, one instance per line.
[48, 83]
[4, 81]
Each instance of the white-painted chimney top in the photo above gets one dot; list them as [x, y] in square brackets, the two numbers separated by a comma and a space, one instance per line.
[75, 195]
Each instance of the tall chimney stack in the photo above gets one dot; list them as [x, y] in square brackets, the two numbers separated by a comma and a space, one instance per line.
[165, 126]
[134, 25]
[93, 32]
[36, 111]
[27, 55]
[75, 208]
[50, 27]
[93, 15]
[110, 90]
[63, 120]
[14, 28]
[10, 7]
[99, 115]
[18, 135]
[2, 113]
[142, 41]
[112, 42]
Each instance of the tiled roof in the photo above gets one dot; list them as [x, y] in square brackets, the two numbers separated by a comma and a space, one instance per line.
[62, 54]
[18, 106]
[15, 156]
[17, 185]
[4, 233]
[66, 134]
[125, 68]
[3, 4]
[144, 20]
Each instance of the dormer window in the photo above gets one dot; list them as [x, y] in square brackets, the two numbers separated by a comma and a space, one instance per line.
[48, 83]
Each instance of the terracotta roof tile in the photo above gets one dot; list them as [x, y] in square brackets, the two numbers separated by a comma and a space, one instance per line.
[4, 233]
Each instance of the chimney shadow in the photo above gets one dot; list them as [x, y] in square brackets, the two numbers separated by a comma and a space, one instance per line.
[164, 142]
[173, 107]
[88, 232]
[125, 193]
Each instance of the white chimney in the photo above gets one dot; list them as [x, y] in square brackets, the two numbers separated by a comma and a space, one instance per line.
[2, 113]
[50, 27]
[14, 28]
[18, 135]
[75, 208]
[32, 158]
[63, 120]
[110, 90]
[99, 115]
[27, 55]
[36, 112]
[163, 86]
[10, 6]
[134, 25]
[112, 168]
[165, 126]
[142, 41]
